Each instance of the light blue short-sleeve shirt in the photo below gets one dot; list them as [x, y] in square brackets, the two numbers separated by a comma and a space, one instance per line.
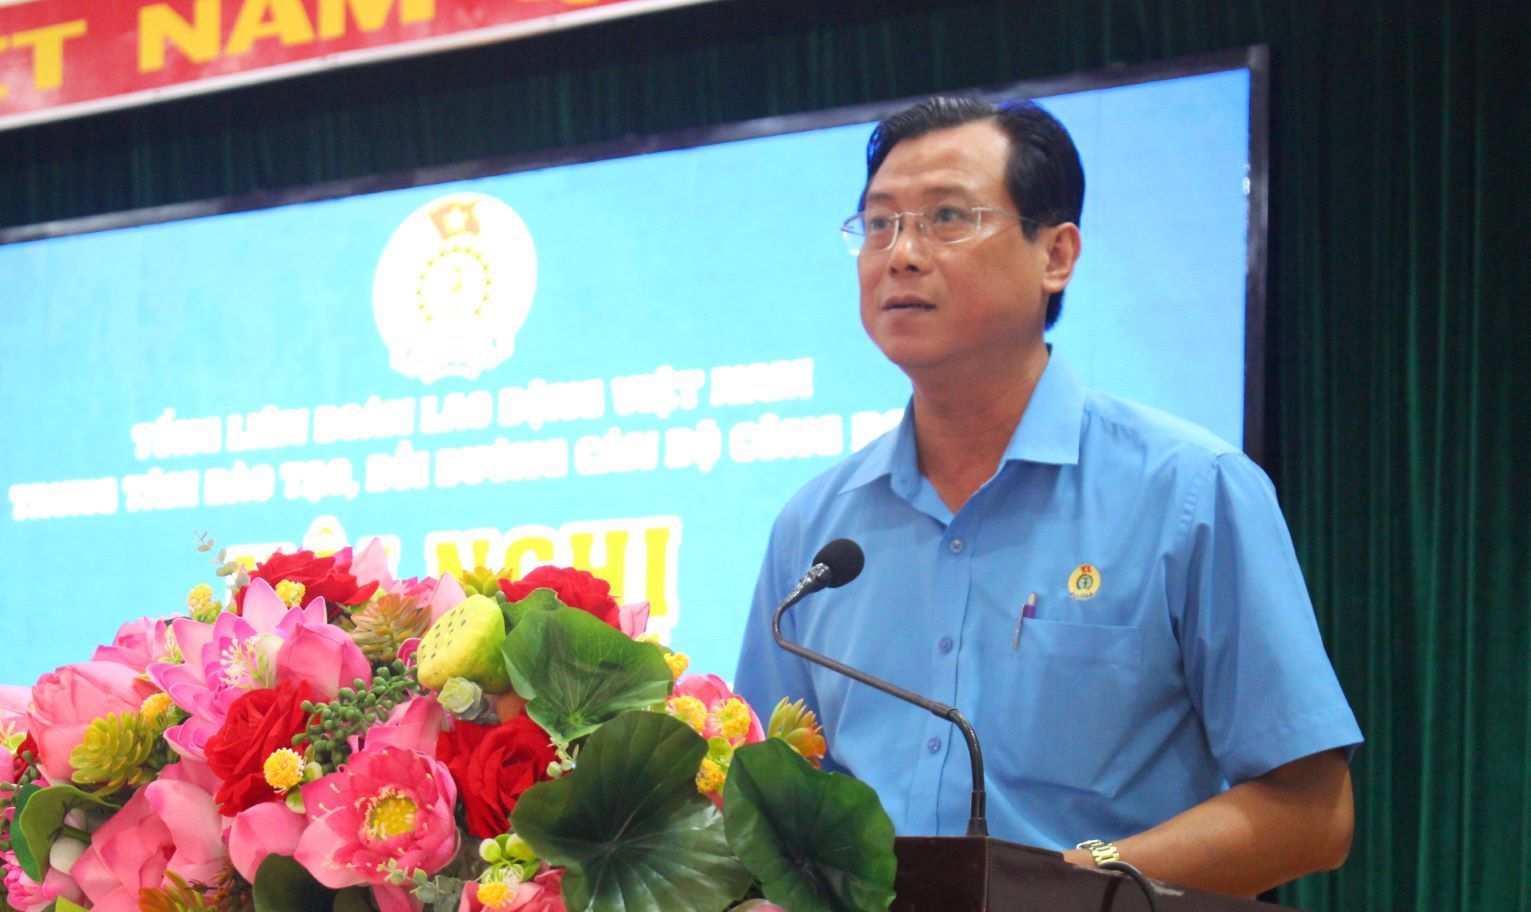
[1172, 652]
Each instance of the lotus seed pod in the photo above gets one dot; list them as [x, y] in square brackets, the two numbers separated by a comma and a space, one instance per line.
[465, 643]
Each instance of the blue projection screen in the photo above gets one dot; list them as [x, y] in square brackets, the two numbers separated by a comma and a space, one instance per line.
[626, 364]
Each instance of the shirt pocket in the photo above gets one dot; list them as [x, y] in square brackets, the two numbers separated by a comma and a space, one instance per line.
[1067, 705]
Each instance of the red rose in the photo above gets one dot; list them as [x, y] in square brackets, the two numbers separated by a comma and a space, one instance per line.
[492, 765]
[322, 577]
[258, 723]
[575, 588]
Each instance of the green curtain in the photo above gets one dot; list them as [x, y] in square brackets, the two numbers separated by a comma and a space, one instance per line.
[1396, 377]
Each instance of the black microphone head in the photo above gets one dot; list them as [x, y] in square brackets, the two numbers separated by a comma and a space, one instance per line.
[844, 558]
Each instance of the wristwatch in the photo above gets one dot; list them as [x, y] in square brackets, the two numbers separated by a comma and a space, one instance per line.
[1102, 852]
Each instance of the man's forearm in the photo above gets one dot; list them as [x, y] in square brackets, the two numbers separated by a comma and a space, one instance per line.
[1294, 820]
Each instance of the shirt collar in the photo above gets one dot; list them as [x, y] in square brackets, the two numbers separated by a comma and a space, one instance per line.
[1048, 433]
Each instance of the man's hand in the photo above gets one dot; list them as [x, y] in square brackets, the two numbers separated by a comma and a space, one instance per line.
[1295, 819]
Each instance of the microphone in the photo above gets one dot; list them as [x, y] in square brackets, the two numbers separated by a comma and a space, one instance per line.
[836, 564]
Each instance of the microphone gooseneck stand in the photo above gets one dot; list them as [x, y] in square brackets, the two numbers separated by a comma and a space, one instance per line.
[836, 564]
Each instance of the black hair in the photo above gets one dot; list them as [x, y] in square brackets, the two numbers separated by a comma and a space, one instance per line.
[1043, 174]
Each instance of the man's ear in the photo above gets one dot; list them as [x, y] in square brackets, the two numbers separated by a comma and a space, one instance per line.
[1063, 248]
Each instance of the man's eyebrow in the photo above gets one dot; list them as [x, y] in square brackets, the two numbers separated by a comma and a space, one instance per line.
[931, 192]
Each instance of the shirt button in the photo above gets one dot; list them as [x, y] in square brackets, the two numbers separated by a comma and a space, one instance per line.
[956, 546]
[945, 645]
[933, 745]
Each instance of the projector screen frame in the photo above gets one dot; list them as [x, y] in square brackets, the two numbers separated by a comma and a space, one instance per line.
[1254, 58]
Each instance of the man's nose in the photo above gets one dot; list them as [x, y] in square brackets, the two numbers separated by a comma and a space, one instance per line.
[910, 251]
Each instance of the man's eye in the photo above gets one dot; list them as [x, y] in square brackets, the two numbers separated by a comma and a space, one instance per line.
[950, 215]
[876, 223]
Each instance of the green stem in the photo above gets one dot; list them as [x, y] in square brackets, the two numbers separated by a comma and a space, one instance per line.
[74, 833]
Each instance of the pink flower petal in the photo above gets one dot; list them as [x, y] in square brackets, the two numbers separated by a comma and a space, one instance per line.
[415, 725]
[393, 899]
[634, 618]
[196, 830]
[265, 829]
[263, 608]
[315, 851]
[371, 566]
[448, 594]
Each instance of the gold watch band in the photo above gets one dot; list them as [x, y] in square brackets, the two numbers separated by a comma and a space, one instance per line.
[1102, 852]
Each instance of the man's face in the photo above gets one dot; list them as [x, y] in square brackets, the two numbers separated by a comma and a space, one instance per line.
[930, 305]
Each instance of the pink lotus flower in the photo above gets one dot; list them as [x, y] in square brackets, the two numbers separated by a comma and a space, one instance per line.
[170, 824]
[138, 644]
[322, 655]
[414, 725]
[268, 644]
[542, 893]
[66, 701]
[388, 804]
[633, 618]
[442, 595]
[371, 566]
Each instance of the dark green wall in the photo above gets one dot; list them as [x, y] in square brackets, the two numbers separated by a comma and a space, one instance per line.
[1397, 378]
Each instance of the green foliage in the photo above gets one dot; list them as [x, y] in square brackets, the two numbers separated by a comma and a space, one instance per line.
[40, 819]
[283, 885]
[536, 600]
[115, 751]
[353, 899]
[352, 712]
[576, 672]
[176, 896]
[630, 826]
[818, 842]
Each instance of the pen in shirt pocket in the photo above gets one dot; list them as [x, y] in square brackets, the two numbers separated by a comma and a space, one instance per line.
[1028, 610]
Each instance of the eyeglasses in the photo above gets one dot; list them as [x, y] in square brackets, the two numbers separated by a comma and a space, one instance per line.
[945, 224]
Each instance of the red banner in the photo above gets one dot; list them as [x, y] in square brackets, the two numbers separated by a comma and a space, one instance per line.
[62, 58]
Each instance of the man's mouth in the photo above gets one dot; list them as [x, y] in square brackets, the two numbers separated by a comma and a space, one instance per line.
[907, 304]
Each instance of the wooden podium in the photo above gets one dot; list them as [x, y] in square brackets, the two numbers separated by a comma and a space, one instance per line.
[983, 874]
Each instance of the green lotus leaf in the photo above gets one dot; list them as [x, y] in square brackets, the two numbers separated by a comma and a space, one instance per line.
[537, 599]
[40, 818]
[818, 842]
[576, 672]
[282, 885]
[629, 825]
[353, 899]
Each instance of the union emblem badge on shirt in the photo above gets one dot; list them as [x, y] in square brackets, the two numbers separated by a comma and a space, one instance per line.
[1084, 582]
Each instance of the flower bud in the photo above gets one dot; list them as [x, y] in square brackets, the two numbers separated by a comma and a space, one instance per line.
[459, 696]
[65, 853]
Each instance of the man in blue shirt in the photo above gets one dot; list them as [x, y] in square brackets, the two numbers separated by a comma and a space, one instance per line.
[1107, 592]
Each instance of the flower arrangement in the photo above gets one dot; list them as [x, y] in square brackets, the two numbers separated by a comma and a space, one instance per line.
[331, 738]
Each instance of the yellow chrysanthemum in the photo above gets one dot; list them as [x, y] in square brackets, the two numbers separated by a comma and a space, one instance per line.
[201, 604]
[495, 895]
[291, 593]
[710, 777]
[678, 662]
[689, 710]
[283, 769]
[734, 719]
[155, 708]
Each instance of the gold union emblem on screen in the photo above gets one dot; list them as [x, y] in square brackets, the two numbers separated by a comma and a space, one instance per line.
[454, 284]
